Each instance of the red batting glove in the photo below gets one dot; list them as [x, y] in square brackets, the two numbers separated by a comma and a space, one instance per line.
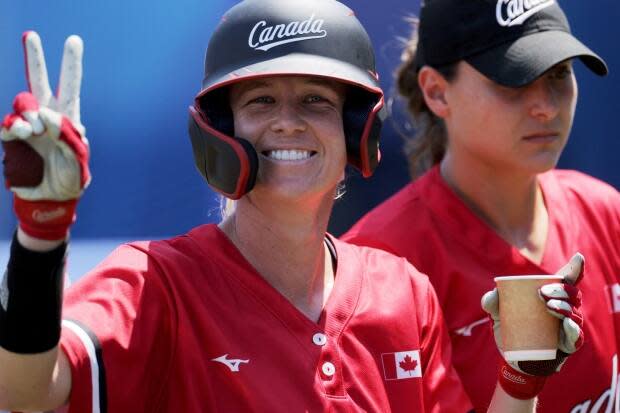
[525, 379]
[45, 151]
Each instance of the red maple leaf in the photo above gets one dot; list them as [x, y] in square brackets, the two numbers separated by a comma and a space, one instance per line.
[408, 364]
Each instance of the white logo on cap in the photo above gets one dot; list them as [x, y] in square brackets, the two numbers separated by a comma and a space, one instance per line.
[263, 37]
[515, 12]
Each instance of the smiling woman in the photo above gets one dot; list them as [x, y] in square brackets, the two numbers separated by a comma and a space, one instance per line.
[349, 60]
[295, 125]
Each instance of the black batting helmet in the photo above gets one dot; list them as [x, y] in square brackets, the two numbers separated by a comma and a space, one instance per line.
[260, 38]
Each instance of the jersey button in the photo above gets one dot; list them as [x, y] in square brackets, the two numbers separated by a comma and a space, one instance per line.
[328, 369]
[319, 339]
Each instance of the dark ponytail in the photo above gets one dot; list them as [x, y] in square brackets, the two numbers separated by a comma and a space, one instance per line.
[428, 145]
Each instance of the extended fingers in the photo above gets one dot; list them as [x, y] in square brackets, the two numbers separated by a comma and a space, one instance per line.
[71, 78]
[36, 70]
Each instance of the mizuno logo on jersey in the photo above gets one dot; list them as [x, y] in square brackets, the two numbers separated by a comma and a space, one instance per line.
[401, 365]
[232, 364]
[467, 330]
[515, 12]
[263, 37]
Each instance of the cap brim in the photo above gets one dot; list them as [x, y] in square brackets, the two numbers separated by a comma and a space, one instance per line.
[522, 61]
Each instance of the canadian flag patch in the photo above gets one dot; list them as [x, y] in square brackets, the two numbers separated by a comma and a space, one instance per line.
[401, 365]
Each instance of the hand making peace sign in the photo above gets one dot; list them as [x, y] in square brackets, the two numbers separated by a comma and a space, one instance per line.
[45, 151]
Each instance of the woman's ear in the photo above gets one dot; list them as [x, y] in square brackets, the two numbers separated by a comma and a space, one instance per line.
[433, 86]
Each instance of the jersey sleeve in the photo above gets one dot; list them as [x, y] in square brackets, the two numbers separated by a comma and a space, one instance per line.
[117, 329]
[443, 390]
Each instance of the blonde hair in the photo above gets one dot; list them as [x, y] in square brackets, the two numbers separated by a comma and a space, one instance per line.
[428, 144]
[228, 206]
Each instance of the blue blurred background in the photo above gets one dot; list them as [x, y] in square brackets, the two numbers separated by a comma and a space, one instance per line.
[143, 65]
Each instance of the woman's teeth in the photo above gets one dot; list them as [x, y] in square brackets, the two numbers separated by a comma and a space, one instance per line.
[289, 155]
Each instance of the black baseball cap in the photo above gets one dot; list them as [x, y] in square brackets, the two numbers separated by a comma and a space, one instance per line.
[512, 42]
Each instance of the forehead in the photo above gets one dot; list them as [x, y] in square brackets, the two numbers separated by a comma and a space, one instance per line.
[274, 82]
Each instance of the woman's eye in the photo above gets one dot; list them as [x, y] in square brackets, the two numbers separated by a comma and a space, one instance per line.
[262, 100]
[315, 99]
[561, 72]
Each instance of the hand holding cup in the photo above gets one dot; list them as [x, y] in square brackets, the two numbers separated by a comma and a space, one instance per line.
[554, 300]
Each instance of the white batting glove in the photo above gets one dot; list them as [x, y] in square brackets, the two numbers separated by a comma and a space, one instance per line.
[525, 379]
[45, 151]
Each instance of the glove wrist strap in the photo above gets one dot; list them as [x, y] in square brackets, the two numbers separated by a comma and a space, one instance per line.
[520, 385]
[48, 220]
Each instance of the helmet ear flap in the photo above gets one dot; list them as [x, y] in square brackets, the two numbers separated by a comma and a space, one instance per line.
[251, 158]
[362, 121]
[229, 164]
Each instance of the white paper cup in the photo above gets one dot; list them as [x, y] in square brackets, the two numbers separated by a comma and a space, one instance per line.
[529, 332]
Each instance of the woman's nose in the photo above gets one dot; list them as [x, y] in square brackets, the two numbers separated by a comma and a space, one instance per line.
[543, 99]
[288, 120]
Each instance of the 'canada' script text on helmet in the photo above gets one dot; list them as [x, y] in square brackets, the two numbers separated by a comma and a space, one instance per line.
[263, 37]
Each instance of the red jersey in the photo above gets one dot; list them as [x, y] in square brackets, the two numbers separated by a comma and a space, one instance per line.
[430, 226]
[187, 325]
